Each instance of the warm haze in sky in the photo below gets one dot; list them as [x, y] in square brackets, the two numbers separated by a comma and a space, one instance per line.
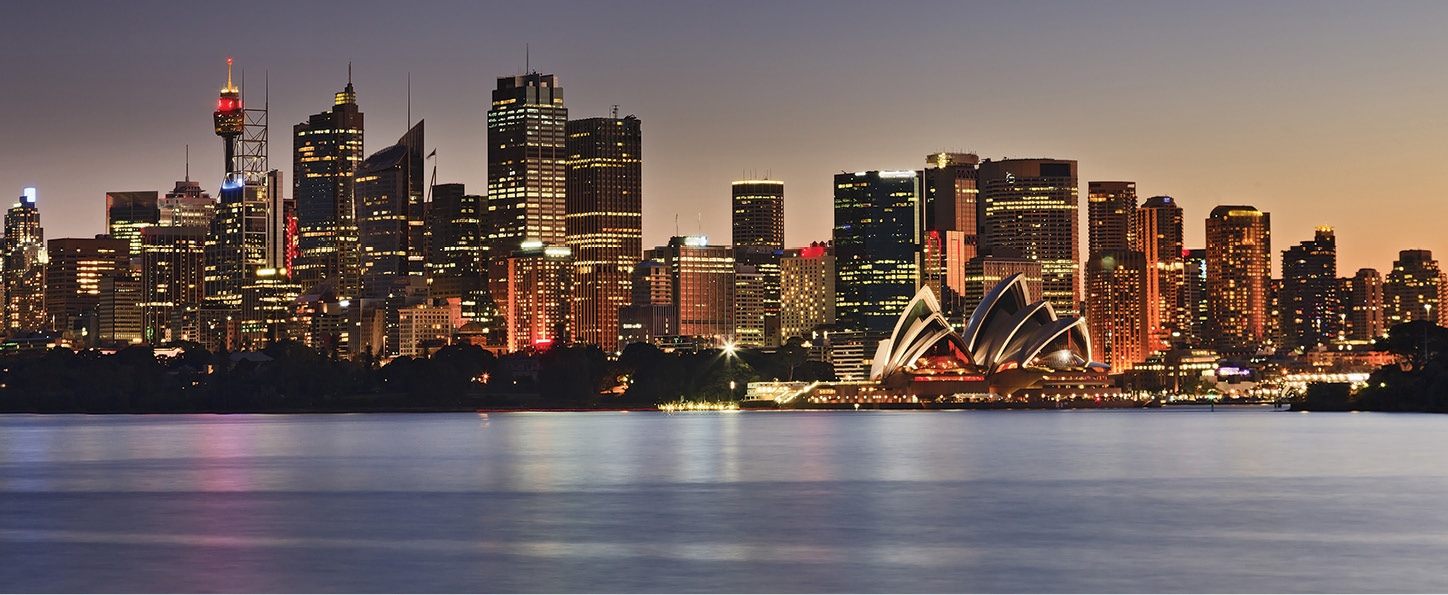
[1321, 113]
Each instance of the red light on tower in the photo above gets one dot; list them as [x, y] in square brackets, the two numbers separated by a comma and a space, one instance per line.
[229, 118]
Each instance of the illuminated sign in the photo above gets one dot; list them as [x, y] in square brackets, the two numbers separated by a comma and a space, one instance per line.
[29, 195]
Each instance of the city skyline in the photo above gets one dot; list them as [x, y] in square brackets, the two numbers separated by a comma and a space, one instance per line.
[1221, 112]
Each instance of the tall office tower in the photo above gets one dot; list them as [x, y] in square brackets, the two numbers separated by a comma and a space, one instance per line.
[604, 223]
[236, 245]
[651, 312]
[1117, 307]
[537, 308]
[187, 205]
[1411, 290]
[877, 258]
[806, 290]
[948, 185]
[281, 228]
[326, 150]
[390, 222]
[1110, 215]
[456, 254]
[1030, 205]
[1194, 297]
[1362, 306]
[24, 268]
[701, 284]
[1158, 235]
[1309, 295]
[173, 276]
[1239, 267]
[758, 214]
[74, 271]
[127, 213]
[994, 265]
[749, 303]
[118, 310]
[527, 170]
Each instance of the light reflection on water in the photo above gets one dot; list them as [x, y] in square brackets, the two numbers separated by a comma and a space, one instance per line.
[1165, 501]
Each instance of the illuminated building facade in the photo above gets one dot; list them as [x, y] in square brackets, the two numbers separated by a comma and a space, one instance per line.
[651, 313]
[1239, 265]
[423, 329]
[750, 296]
[1194, 296]
[127, 213]
[538, 279]
[758, 219]
[74, 272]
[527, 170]
[390, 221]
[118, 310]
[701, 284]
[173, 275]
[326, 150]
[24, 270]
[186, 205]
[1309, 297]
[1362, 306]
[1158, 236]
[1030, 205]
[456, 252]
[604, 222]
[758, 239]
[236, 246]
[1117, 307]
[1110, 216]
[877, 259]
[950, 195]
[806, 290]
[1412, 290]
[994, 265]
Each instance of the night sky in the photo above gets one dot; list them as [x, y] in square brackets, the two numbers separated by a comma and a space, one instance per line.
[1321, 113]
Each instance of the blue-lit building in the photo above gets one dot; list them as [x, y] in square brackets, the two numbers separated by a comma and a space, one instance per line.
[877, 258]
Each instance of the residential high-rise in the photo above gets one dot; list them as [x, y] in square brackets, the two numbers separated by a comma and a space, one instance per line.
[527, 170]
[877, 257]
[1362, 306]
[456, 249]
[604, 222]
[390, 215]
[173, 274]
[1117, 305]
[1309, 295]
[1110, 214]
[701, 279]
[806, 290]
[127, 213]
[74, 271]
[24, 271]
[1239, 266]
[326, 150]
[1158, 236]
[1030, 205]
[1412, 290]
[537, 308]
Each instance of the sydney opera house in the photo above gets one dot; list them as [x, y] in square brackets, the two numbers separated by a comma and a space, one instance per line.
[1010, 348]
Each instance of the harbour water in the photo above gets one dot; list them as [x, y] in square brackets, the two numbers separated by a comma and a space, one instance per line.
[1170, 500]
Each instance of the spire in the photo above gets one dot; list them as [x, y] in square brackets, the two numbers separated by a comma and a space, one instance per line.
[230, 88]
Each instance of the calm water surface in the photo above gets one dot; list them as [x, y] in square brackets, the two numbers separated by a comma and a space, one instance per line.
[1176, 500]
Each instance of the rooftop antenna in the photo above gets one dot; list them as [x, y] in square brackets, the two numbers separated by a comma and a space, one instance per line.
[349, 72]
[701, 223]
[676, 225]
[614, 112]
[188, 162]
[409, 102]
[527, 59]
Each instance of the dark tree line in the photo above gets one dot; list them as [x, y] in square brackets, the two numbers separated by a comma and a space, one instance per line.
[1419, 382]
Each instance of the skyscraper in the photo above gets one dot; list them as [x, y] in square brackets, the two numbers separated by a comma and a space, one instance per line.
[390, 221]
[604, 223]
[1411, 290]
[758, 214]
[186, 205]
[1239, 266]
[1117, 303]
[1158, 231]
[456, 253]
[24, 271]
[1110, 214]
[527, 170]
[326, 150]
[236, 245]
[1309, 292]
[173, 274]
[127, 213]
[701, 280]
[1362, 305]
[877, 258]
[74, 271]
[537, 308]
[758, 238]
[951, 215]
[1030, 205]
[1194, 296]
[807, 290]
[651, 312]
